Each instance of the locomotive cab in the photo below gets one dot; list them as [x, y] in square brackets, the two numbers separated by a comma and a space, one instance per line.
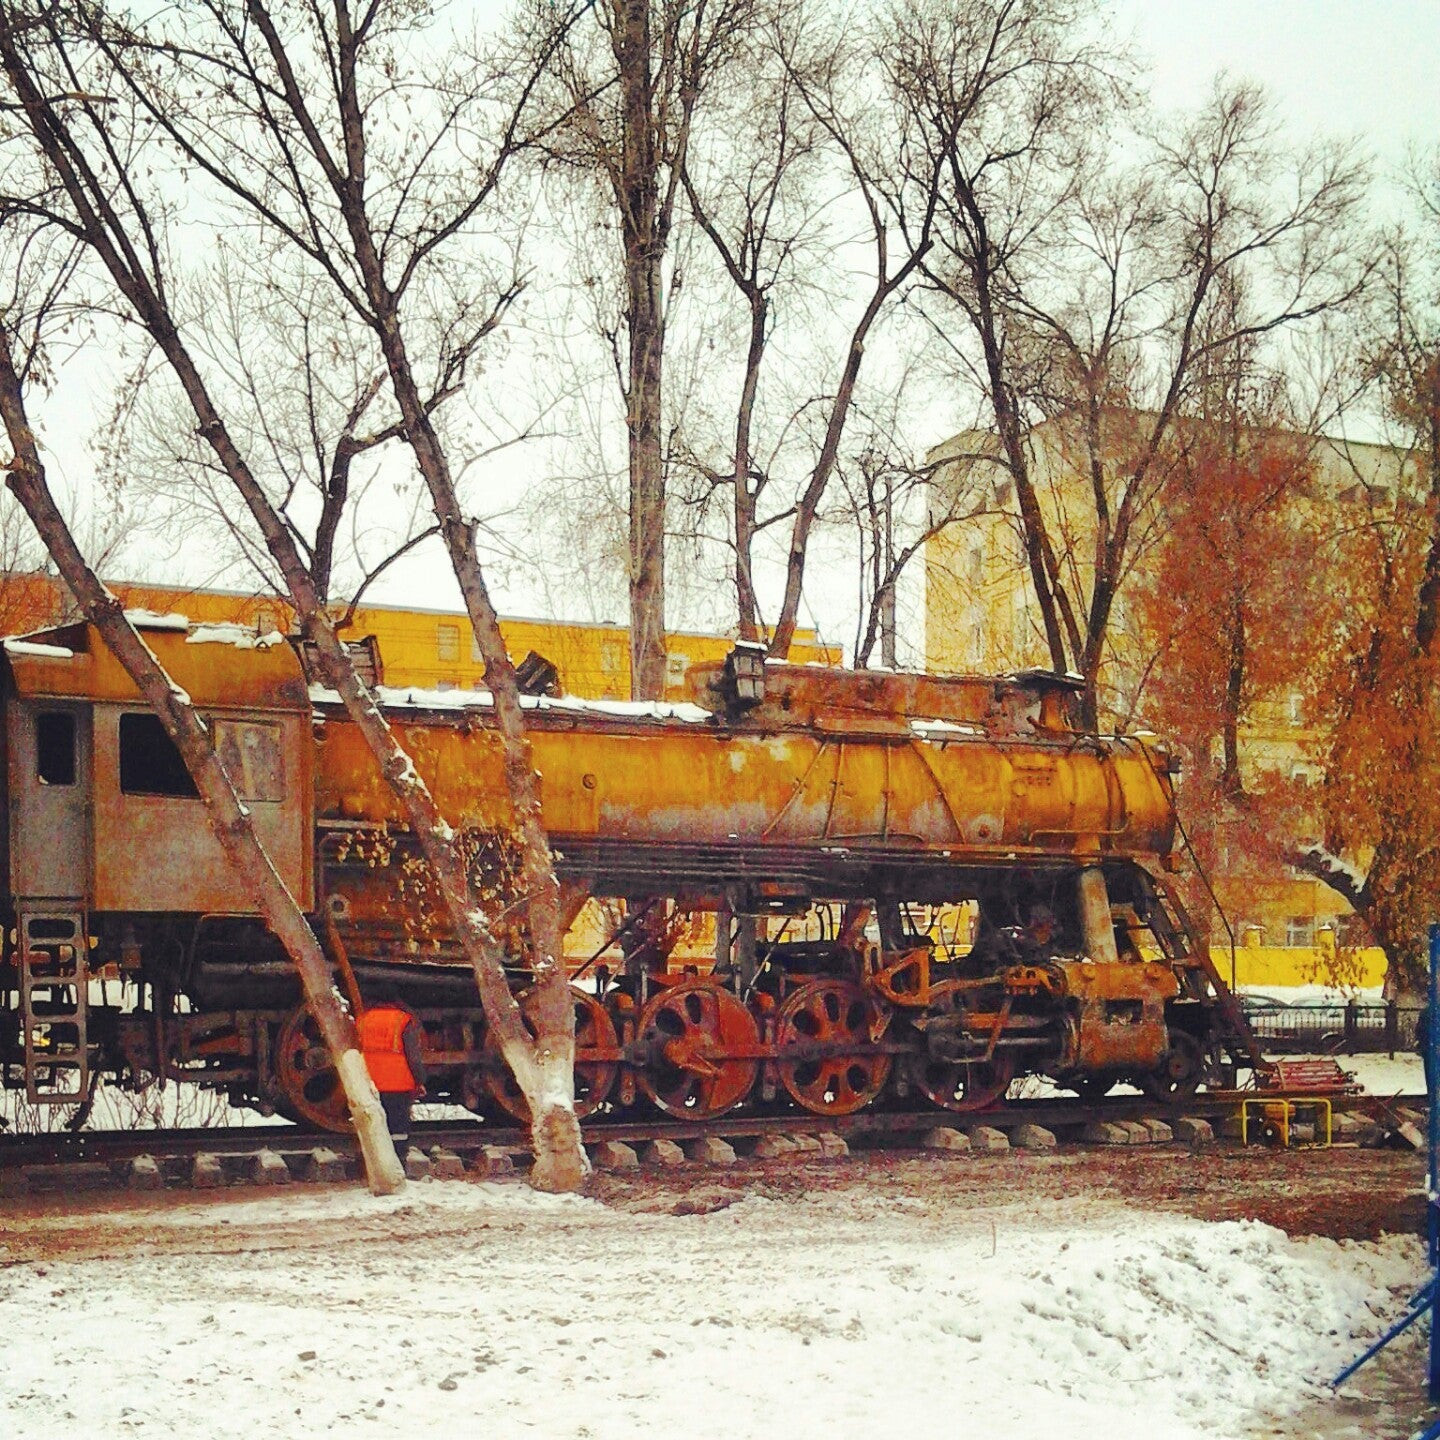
[105, 837]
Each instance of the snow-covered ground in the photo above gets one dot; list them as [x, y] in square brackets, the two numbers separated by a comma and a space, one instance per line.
[460, 1310]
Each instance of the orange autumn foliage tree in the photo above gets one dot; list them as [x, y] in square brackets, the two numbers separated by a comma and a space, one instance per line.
[1237, 607]
[1381, 796]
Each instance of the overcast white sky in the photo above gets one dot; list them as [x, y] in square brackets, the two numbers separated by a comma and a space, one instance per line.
[1363, 68]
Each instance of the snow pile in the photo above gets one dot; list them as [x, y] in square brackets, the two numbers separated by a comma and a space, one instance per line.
[415, 697]
[37, 649]
[487, 1310]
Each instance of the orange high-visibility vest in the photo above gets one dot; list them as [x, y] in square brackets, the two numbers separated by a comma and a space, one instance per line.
[380, 1031]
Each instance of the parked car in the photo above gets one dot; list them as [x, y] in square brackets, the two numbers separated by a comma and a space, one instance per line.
[1265, 1013]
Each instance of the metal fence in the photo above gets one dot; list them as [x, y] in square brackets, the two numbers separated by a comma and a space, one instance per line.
[1325, 1028]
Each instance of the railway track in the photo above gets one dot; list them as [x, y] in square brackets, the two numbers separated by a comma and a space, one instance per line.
[235, 1154]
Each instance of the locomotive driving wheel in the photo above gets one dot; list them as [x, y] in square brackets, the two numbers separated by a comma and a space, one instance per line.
[958, 1084]
[841, 1016]
[594, 1079]
[310, 1088]
[692, 1032]
[1180, 1071]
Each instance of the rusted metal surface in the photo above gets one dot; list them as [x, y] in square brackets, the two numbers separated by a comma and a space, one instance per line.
[1120, 1013]
[637, 799]
[125, 833]
[808, 696]
[846, 1019]
[702, 1048]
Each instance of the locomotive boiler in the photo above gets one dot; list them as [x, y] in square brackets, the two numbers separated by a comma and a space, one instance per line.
[810, 887]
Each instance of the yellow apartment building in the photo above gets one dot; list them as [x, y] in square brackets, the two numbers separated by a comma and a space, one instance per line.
[981, 616]
[425, 648]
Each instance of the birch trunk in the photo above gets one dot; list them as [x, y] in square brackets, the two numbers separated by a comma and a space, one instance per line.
[227, 817]
[544, 1067]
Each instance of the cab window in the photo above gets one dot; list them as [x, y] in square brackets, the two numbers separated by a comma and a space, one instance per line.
[150, 763]
[55, 747]
[252, 756]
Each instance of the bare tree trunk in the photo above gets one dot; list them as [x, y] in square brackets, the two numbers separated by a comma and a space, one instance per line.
[543, 1068]
[228, 819]
[644, 247]
[1231, 783]
[747, 602]
[886, 597]
[806, 510]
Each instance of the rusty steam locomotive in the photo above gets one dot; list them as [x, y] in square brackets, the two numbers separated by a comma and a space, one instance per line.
[812, 887]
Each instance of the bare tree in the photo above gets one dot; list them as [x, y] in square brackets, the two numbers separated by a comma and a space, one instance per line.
[628, 83]
[1090, 290]
[811, 122]
[303, 385]
[226, 91]
[892, 509]
[229, 819]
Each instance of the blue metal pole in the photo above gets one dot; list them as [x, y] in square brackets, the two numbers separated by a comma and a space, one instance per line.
[1423, 1305]
[1432, 1069]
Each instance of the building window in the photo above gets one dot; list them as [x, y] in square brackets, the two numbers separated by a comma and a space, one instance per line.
[675, 668]
[447, 643]
[55, 747]
[1295, 708]
[1300, 931]
[1351, 933]
[1019, 631]
[150, 764]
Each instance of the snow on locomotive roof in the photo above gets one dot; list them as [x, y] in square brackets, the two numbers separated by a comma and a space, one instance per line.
[153, 620]
[35, 647]
[415, 698]
[925, 728]
[226, 632]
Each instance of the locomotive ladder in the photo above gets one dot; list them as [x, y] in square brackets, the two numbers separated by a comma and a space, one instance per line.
[54, 996]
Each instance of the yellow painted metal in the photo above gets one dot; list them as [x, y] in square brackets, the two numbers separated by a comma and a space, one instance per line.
[1282, 1113]
[666, 781]
[424, 647]
[211, 672]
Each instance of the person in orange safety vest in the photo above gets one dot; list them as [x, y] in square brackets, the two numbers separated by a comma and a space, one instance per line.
[390, 1043]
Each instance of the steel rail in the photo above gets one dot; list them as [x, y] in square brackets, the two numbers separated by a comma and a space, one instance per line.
[870, 1125]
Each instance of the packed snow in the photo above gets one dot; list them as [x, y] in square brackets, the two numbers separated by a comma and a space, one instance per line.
[464, 1309]
[414, 697]
[37, 649]
[154, 620]
[241, 637]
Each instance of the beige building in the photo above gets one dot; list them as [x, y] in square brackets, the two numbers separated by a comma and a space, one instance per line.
[981, 616]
